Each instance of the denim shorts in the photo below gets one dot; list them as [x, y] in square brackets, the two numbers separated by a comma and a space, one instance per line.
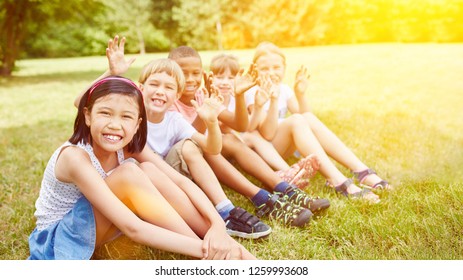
[72, 238]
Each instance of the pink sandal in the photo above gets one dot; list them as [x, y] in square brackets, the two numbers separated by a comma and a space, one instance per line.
[300, 172]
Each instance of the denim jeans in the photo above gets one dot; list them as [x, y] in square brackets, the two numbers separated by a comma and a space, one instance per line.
[72, 238]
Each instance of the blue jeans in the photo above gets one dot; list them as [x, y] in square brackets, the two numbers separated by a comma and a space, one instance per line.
[72, 238]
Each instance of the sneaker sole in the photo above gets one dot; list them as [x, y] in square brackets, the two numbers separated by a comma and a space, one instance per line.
[303, 218]
[254, 235]
[321, 207]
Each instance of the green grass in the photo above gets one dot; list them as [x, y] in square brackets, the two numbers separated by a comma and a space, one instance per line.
[397, 106]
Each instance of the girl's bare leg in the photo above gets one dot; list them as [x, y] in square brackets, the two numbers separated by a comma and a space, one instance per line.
[131, 185]
[336, 149]
[295, 133]
[265, 150]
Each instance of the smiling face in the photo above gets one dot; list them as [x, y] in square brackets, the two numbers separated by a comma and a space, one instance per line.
[160, 90]
[224, 81]
[113, 120]
[273, 65]
[193, 71]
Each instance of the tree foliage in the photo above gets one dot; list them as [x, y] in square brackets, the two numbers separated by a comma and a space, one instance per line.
[51, 28]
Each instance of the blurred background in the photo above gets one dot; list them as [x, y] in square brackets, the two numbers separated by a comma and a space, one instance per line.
[71, 28]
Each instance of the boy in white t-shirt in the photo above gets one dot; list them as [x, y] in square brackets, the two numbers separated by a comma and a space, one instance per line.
[173, 138]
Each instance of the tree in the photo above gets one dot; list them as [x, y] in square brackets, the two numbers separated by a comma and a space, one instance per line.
[23, 21]
[133, 18]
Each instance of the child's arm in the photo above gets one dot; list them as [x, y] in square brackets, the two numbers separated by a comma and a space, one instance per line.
[266, 123]
[208, 112]
[74, 166]
[269, 125]
[117, 63]
[257, 109]
[299, 102]
[239, 119]
[216, 233]
[198, 123]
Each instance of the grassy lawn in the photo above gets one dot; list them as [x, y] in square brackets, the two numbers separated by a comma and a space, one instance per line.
[397, 106]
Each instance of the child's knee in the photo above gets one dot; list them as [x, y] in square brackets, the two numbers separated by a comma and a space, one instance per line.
[231, 142]
[147, 167]
[296, 121]
[127, 169]
[190, 150]
[308, 116]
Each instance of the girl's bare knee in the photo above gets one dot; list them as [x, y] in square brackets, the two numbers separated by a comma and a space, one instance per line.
[127, 170]
[311, 118]
[146, 166]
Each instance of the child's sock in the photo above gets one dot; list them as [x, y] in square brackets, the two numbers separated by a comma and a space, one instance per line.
[260, 198]
[224, 207]
[281, 188]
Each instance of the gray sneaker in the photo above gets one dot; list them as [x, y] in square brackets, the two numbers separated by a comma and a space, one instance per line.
[301, 198]
[278, 208]
[243, 224]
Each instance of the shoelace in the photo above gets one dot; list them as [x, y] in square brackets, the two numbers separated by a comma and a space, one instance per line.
[278, 209]
[299, 197]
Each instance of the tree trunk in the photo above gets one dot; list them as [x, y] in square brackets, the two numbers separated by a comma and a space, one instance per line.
[141, 41]
[11, 35]
[218, 27]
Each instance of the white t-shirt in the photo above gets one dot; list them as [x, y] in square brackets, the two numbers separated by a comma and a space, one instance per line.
[173, 128]
[285, 94]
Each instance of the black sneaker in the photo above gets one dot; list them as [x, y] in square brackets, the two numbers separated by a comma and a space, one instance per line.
[243, 224]
[280, 209]
[301, 198]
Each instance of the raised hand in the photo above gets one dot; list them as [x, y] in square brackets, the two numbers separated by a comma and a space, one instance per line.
[211, 106]
[208, 81]
[302, 81]
[244, 81]
[263, 93]
[118, 65]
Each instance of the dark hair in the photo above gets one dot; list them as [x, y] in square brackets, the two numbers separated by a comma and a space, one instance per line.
[183, 51]
[103, 87]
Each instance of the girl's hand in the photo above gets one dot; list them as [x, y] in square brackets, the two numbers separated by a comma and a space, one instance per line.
[218, 245]
[264, 92]
[115, 54]
[211, 106]
[274, 92]
[302, 81]
[208, 82]
[245, 81]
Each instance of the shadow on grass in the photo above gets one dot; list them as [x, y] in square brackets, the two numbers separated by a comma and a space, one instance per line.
[68, 77]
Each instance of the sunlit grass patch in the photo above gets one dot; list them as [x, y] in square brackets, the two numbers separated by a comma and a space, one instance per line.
[397, 106]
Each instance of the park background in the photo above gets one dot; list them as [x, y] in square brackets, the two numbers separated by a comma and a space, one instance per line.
[386, 77]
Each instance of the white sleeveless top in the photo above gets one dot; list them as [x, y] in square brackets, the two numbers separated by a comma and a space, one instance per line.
[57, 198]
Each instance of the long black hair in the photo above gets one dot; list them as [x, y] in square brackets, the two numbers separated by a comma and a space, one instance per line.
[103, 87]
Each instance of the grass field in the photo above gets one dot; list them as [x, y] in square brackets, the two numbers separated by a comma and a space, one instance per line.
[397, 106]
